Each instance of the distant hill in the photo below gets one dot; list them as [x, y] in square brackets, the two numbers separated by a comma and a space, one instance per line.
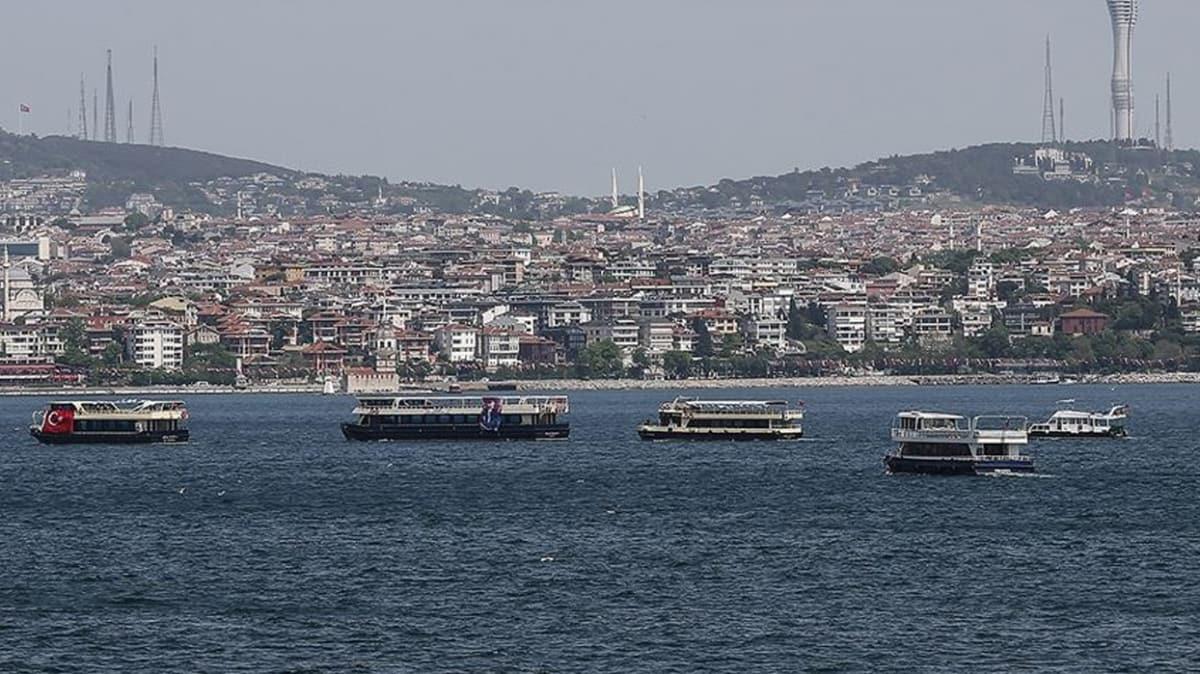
[981, 174]
[977, 175]
[25, 156]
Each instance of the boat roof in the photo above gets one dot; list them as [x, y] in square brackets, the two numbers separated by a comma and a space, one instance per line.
[442, 398]
[917, 414]
[116, 402]
[732, 403]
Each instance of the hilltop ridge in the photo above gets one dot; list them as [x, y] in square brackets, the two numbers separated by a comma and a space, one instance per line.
[1076, 174]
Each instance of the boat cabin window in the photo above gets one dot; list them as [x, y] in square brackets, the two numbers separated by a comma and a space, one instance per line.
[934, 449]
[934, 424]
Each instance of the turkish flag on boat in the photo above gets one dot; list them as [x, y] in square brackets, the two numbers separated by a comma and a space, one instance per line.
[59, 421]
[26, 108]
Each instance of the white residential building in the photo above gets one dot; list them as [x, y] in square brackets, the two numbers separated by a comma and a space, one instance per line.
[156, 344]
[885, 324]
[499, 348]
[981, 280]
[769, 332]
[847, 324]
[457, 343]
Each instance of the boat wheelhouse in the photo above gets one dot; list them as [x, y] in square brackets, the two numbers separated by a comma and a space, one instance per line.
[101, 421]
[948, 444]
[690, 419]
[459, 418]
[1075, 424]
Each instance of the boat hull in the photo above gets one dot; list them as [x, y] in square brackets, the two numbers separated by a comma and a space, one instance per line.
[955, 466]
[715, 434]
[456, 432]
[1113, 433]
[83, 438]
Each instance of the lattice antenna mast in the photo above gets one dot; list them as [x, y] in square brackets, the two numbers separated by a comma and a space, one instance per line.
[1049, 128]
[129, 128]
[1169, 140]
[156, 127]
[95, 115]
[83, 127]
[1157, 124]
[110, 110]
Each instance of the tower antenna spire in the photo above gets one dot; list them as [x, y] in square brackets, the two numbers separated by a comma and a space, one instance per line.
[615, 198]
[83, 127]
[1124, 18]
[1049, 128]
[1157, 124]
[156, 127]
[641, 195]
[129, 128]
[1169, 140]
[110, 110]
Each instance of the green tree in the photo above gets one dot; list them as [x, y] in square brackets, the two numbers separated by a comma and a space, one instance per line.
[880, 266]
[994, 342]
[112, 354]
[795, 321]
[677, 364]
[75, 343]
[121, 249]
[208, 357]
[732, 344]
[136, 220]
[704, 342]
[602, 359]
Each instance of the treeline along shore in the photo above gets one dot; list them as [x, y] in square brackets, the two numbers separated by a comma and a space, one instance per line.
[636, 384]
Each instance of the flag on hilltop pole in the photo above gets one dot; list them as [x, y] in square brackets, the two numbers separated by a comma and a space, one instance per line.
[22, 110]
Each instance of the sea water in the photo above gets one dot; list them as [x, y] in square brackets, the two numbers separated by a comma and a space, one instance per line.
[269, 543]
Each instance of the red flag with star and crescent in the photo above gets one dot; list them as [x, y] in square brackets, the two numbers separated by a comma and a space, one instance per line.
[59, 421]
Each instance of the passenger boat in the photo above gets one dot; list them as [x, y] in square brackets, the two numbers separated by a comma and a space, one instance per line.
[459, 418]
[690, 419]
[97, 421]
[1075, 424]
[947, 444]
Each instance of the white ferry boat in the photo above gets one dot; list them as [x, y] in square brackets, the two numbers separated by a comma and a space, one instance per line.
[459, 418]
[689, 419]
[948, 444]
[98, 421]
[1075, 424]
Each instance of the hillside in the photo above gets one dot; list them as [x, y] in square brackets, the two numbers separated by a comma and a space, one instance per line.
[26, 156]
[981, 174]
[1101, 175]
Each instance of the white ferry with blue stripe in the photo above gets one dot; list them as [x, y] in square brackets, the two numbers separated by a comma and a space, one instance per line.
[421, 417]
[948, 444]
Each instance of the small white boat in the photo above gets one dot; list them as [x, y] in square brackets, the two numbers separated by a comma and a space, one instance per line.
[1076, 424]
[948, 444]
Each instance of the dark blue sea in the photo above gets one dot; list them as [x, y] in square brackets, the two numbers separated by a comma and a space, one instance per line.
[269, 543]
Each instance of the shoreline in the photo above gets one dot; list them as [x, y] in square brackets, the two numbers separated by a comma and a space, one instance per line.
[845, 381]
[472, 388]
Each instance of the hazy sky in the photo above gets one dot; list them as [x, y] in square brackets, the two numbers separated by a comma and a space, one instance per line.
[550, 94]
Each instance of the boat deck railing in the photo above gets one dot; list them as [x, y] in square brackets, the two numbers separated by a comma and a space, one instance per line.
[558, 404]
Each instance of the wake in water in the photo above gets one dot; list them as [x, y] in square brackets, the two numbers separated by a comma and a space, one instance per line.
[1009, 473]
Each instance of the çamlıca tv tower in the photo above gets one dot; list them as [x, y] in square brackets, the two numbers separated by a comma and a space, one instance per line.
[1124, 17]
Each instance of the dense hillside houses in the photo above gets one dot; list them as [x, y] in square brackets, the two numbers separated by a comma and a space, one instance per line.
[148, 294]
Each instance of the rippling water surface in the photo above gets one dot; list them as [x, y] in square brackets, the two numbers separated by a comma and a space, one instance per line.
[271, 544]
